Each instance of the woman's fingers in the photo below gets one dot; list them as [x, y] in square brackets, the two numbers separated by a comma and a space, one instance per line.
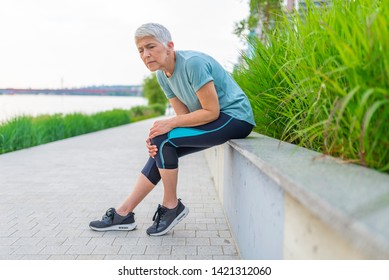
[152, 148]
[159, 128]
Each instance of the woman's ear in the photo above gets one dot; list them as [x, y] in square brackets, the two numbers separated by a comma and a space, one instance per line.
[170, 45]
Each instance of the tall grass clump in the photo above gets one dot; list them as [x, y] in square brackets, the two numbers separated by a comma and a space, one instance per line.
[25, 131]
[321, 81]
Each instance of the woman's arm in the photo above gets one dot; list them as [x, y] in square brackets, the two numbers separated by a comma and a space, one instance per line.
[178, 107]
[210, 111]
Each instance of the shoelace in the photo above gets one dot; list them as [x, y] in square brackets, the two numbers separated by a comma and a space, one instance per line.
[159, 213]
[108, 215]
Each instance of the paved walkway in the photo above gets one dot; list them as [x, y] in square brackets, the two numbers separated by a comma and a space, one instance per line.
[50, 193]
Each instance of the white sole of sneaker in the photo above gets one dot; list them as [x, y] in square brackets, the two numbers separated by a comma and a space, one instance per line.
[117, 227]
[179, 218]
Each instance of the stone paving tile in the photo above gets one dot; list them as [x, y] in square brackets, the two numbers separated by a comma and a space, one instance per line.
[207, 233]
[106, 250]
[221, 241]
[132, 250]
[125, 241]
[115, 234]
[205, 221]
[184, 233]
[196, 257]
[47, 241]
[80, 250]
[6, 241]
[49, 233]
[195, 226]
[11, 257]
[7, 232]
[28, 250]
[70, 232]
[24, 233]
[210, 250]
[184, 250]
[35, 257]
[25, 226]
[68, 226]
[101, 241]
[55, 250]
[225, 257]
[171, 257]
[23, 241]
[158, 250]
[145, 257]
[63, 257]
[90, 257]
[81, 241]
[197, 214]
[197, 241]
[229, 250]
[173, 241]
[216, 215]
[117, 257]
[91, 233]
[220, 226]
[7, 250]
[152, 240]
[224, 233]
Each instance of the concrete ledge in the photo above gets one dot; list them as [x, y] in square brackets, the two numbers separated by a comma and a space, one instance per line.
[287, 202]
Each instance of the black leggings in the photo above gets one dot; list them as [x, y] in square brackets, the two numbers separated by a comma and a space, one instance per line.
[186, 140]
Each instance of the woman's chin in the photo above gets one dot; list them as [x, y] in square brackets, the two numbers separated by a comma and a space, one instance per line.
[152, 67]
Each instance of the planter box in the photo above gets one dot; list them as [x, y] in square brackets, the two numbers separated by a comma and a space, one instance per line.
[286, 202]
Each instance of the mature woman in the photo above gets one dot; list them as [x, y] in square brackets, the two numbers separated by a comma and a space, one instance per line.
[210, 109]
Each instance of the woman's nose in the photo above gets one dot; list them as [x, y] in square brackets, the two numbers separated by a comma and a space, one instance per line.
[146, 53]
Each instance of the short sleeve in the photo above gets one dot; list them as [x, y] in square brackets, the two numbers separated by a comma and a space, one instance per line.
[199, 72]
[164, 85]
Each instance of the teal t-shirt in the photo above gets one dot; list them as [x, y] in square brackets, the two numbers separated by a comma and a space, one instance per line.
[192, 71]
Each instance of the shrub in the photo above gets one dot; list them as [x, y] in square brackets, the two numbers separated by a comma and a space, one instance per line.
[321, 81]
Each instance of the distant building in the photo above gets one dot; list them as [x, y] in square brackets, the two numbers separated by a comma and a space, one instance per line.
[299, 5]
[132, 90]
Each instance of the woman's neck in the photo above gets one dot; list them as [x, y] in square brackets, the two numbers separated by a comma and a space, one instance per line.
[172, 63]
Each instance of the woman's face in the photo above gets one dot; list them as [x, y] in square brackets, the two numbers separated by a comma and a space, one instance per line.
[153, 53]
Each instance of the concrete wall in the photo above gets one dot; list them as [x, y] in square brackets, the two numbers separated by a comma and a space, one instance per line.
[286, 202]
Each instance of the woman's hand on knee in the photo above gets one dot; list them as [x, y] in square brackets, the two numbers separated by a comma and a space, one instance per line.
[160, 127]
[152, 148]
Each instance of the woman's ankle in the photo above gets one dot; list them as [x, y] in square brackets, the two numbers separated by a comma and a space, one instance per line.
[122, 212]
[170, 204]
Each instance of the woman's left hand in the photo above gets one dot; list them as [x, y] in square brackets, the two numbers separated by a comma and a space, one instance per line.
[160, 127]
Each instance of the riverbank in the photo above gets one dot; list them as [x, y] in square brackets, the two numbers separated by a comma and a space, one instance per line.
[26, 131]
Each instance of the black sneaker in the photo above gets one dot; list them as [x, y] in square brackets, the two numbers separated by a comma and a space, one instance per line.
[165, 219]
[113, 221]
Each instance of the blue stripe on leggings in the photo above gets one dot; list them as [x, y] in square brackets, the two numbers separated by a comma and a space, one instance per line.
[181, 132]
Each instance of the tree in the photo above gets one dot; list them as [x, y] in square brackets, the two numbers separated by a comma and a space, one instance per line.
[153, 91]
[263, 14]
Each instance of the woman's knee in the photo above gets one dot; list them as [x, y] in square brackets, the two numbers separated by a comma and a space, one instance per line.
[158, 140]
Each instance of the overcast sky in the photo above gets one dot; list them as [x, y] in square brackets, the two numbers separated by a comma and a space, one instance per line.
[50, 43]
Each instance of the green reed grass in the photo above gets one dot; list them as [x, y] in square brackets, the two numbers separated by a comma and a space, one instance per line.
[25, 131]
[322, 81]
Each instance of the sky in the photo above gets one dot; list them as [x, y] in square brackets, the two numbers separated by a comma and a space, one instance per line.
[75, 43]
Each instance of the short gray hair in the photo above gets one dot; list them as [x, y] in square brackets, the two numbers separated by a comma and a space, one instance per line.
[155, 30]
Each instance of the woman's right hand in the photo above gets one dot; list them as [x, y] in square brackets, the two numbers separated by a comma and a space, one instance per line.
[152, 148]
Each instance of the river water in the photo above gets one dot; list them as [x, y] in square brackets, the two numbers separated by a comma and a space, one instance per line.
[33, 105]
